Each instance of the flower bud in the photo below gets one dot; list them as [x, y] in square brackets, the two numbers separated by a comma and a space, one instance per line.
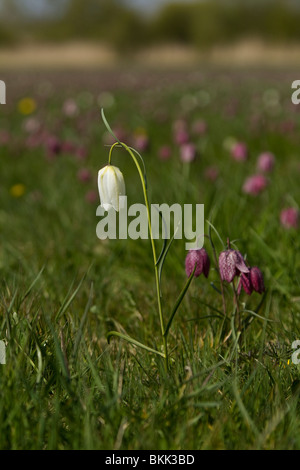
[257, 280]
[111, 186]
[199, 258]
[231, 263]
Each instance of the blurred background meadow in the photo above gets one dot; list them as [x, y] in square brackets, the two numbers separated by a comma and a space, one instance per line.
[202, 89]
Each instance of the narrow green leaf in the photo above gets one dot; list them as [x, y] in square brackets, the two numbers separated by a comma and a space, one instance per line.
[164, 238]
[221, 314]
[243, 410]
[123, 145]
[259, 316]
[207, 404]
[215, 288]
[82, 323]
[58, 351]
[108, 126]
[142, 160]
[94, 371]
[67, 301]
[179, 300]
[133, 341]
[33, 284]
[164, 254]
[7, 314]
[217, 233]
[267, 249]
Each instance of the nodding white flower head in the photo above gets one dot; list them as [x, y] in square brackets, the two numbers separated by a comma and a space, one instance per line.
[111, 186]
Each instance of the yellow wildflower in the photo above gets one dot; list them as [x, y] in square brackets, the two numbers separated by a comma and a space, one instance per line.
[27, 105]
[17, 190]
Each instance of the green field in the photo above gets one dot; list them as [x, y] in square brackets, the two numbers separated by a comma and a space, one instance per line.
[229, 385]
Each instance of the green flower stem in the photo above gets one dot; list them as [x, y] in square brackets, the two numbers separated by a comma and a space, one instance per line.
[110, 151]
[156, 267]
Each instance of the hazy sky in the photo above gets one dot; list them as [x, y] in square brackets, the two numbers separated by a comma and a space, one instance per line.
[39, 7]
[150, 5]
[49, 7]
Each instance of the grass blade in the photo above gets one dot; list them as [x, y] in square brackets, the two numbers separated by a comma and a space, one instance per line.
[67, 301]
[133, 341]
[179, 300]
[82, 323]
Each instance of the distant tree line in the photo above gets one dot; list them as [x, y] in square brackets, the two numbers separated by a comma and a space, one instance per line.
[201, 24]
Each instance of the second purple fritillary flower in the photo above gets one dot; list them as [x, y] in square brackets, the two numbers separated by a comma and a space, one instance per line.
[199, 258]
[252, 281]
[245, 282]
[257, 280]
[231, 263]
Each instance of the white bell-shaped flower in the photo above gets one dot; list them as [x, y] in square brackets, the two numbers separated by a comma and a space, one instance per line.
[111, 186]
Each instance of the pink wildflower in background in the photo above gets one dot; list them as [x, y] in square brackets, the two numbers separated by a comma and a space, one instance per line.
[199, 127]
[181, 137]
[180, 132]
[84, 175]
[4, 137]
[239, 151]
[255, 184]
[81, 153]
[188, 152]
[287, 127]
[289, 217]
[265, 162]
[67, 147]
[211, 173]
[70, 108]
[31, 125]
[91, 196]
[53, 146]
[141, 142]
[164, 153]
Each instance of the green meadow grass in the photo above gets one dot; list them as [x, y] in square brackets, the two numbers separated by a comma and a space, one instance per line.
[62, 290]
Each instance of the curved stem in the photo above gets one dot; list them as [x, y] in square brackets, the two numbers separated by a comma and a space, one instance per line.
[156, 268]
[110, 152]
